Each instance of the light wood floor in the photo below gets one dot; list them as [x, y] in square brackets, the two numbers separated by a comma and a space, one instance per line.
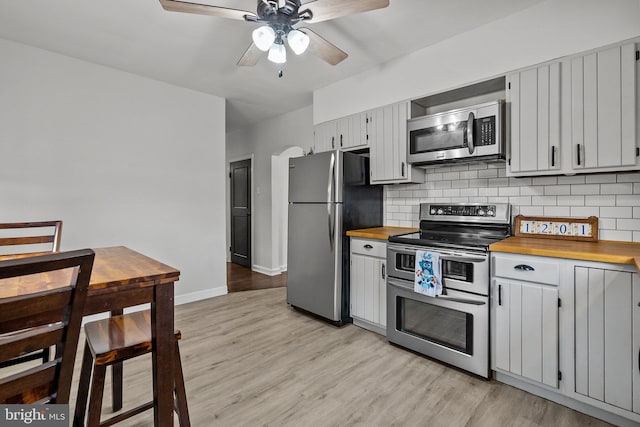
[250, 360]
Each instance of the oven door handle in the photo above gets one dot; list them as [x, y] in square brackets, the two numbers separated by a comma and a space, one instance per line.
[462, 259]
[461, 300]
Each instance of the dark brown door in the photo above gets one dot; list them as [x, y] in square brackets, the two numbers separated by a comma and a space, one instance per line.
[240, 173]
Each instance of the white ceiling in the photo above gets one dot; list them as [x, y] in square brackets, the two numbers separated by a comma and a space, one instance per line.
[200, 52]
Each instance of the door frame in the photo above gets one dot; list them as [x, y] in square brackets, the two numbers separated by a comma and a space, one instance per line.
[228, 205]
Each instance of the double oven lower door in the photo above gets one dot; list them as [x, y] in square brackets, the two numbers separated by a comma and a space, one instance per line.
[453, 327]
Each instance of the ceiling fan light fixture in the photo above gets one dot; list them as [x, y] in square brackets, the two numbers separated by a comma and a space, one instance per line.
[298, 41]
[277, 53]
[263, 37]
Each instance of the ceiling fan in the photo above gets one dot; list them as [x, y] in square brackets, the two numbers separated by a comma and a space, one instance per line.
[279, 18]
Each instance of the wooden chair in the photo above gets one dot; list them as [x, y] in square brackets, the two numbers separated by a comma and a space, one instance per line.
[29, 238]
[50, 316]
[112, 341]
[17, 238]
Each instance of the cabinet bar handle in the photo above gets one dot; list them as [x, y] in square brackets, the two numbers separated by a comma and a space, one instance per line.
[553, 155]
[524, 267]
[499, 294]
[578, 153]
[333, 142]
[402, 174]
[368, 246]
[340, 140]
[383, 271]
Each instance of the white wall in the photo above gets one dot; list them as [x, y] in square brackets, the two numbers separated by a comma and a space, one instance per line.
[543, 32]
[121, 159]
[265, 139]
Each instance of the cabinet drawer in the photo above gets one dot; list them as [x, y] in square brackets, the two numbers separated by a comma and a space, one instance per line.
[370, 247]
[530, 269]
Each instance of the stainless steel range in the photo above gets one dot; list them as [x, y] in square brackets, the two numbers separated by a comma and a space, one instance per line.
[452, 327]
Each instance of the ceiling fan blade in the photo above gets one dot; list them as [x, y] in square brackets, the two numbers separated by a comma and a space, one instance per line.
[323, 49]
[205, 9]
[250, 57]
[324, 10]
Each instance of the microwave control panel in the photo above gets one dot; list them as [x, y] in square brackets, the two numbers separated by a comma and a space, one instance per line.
[485, 130]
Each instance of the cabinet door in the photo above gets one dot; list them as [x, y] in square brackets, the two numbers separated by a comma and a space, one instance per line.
[527, 331]
[603, 108]
[325, 136]
[368, 289]
[534, 99]
[604, 359]
[343, 132]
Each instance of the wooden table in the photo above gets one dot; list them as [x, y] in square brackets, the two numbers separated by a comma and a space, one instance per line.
[122, 278]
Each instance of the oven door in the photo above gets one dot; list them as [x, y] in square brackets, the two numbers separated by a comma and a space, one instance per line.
[453, 328]
[463, 271]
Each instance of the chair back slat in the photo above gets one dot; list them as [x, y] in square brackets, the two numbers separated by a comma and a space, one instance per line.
[26, 307]
[29, 340]
[23, 320]
[31, 385]
[18, 238]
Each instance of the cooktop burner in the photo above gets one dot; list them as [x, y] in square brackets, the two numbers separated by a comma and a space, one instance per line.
[468, 226]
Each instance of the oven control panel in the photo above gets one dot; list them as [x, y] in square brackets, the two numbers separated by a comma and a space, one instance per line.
[463, 210]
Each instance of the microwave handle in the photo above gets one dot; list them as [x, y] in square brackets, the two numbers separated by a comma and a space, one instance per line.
[470, 133]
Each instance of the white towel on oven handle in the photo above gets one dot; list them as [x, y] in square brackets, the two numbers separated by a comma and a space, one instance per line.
[428, 274]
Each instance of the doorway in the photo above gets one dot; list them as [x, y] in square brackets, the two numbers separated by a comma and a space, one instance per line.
[240, 215]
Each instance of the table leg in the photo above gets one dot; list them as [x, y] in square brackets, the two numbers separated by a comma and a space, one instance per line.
[162, 330]
[116, 378]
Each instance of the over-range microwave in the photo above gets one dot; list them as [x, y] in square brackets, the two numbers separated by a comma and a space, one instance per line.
[466, 134]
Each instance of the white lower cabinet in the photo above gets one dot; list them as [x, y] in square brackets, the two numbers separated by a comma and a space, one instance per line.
[368, 294]
[607, 333]
[526, 318]
[580, 319]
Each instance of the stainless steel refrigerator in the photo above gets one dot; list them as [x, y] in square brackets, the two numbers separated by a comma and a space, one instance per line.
[329, 193]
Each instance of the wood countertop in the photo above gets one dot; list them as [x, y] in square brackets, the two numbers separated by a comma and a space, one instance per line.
[380, 233]
[602, 251]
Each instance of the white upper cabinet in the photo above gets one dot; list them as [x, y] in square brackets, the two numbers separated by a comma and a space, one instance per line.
[576, 115]
[604, 109]
[325, 136]
[534, 99]
[388, 146]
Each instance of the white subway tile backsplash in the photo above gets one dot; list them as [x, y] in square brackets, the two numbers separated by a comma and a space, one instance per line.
[490, 191]
[557, 211]
[628, 199]
[616, 212]
[544, 180]
[509, 191]
[544, 200]
[601, 178]
[534, 190]
[629, 177]
[557, 190]
[628, 224]
[576, 179]
[600, 200]
[614, 198]
[585, 189]
[488, 173]
[498, 182]
[532, 210]
[585, 211]
[624, 188]
[443, 184]
[625, 236]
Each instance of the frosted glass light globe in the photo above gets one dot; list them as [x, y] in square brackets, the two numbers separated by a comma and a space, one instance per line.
[263, 37]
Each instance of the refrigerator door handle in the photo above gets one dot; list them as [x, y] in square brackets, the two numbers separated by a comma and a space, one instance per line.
[330, 191]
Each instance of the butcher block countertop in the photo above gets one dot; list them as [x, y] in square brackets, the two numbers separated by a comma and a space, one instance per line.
[602, 251]
[380, 233]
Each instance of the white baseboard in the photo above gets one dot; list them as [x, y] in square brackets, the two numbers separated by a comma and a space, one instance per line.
[200, 295]
[265, 270]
